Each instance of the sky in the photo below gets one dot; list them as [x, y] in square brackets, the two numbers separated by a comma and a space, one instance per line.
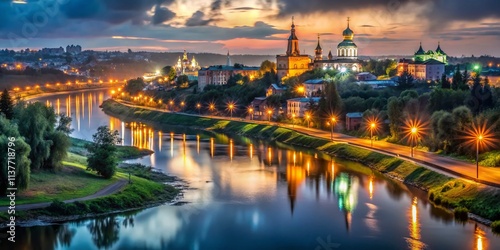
[381, 27]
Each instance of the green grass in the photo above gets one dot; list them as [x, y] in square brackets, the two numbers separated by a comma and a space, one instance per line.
[449, 192]
[73, 181]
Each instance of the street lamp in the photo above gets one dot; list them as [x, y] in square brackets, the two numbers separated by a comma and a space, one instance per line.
[293, 120]
[414, 132]
[332, 123]
[482, 136]
[211, 107]
[372, 127]
[479, 140]
[269, 113]
[307, 119]
[171, 104]
[198, 106]
[301, 90]
[231, 107]
[250, 111]
[182, 105]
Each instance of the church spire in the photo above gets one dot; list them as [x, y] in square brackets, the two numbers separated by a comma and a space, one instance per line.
[293, 42]
[318, 51]
[228, 62]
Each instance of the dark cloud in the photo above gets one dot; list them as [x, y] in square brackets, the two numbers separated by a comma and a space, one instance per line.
[198, 19]
[367, 26]
[244, 9]
[162, 15]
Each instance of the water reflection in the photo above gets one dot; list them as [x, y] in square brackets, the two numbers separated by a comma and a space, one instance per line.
[246, 192]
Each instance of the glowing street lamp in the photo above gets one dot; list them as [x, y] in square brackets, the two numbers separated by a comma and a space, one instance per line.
[171, 103]
[414, 134]
[231, 106]
[332, 124]
[481, 136]
[293, 120]
[198, 106]
[414, 128]
[182, 105]
[372, 127]
[269, 113]
[211, 107]
[308, 117]
[250, 111]
[301, 90]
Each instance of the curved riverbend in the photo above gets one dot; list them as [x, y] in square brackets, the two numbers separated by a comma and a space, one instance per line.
[251, 194]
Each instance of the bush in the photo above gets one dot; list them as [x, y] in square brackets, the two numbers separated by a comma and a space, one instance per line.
[461, 213]
[431, 196]
[57, 207]
[438, 200]
[495, 227]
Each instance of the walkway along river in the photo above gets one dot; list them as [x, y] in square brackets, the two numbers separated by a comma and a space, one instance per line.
[248, 194]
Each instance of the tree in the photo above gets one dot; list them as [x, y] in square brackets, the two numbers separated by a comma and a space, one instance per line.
[36, 122]
[134, 86]
[6, 105]
[405, 80]
[267, 66]
[395, 114]
[183, 81]
[457, 78]
[169, 71]
[330, 102]
[445, 84]
[102, 157]
[8, 131]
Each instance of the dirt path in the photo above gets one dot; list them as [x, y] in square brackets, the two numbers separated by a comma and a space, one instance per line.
[111, 189]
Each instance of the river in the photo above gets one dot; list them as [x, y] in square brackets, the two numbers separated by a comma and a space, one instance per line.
[249, 194]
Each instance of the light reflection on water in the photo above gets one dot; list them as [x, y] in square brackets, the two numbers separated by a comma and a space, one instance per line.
[247, 194]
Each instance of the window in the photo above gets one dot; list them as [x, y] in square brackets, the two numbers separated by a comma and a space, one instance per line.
[295, 66]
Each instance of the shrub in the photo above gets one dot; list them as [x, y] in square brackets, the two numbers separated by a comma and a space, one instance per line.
[495, 227]
[57, 207]
[431, 196]
[461, 213]
[438, 200]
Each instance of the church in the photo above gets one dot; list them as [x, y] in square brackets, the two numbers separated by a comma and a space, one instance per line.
[346, 58]
[292, 63]
[428, 65]
[187, 67]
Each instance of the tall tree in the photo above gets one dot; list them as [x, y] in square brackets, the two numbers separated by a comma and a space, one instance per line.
[102, 158]
[134, 86]
[405, 80]
[36, 122]
[395, 114]
[457, 78]
[445, 83]
[330, 102]
[10, 138]
[6, 104]
[169, 72]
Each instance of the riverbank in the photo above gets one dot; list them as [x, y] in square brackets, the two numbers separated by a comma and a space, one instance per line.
[75, 193]
[480, 200]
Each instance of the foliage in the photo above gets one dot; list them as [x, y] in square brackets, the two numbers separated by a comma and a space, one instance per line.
[495, 227]
[102, 158]
[6, 104]
[169, 72]
[461, 213]
[134, 86]
[21, 160]
[405, 80]
[330, 102]
[182, 81]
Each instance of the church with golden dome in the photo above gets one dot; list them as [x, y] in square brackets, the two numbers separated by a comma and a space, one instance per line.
[346, 58]
[186, 66]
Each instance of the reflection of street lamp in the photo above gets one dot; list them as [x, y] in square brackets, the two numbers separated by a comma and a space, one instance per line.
[332, 123]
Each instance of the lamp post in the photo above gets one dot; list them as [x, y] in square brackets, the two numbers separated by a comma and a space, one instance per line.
[198, 106]
[293, 120]
[372, 127]
[211, 107]
[269, 113]
[478, 140]
[307, 119]
[334, 120]
[171, 104]
[250, 111]
[414, 131]
[231, 107]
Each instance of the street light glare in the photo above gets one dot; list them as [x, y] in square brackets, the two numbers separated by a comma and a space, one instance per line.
[413, 130]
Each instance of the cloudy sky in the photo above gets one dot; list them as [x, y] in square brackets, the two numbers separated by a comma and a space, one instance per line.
[382, 27]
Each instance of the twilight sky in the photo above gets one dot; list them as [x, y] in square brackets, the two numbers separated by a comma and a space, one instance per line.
[382, 27]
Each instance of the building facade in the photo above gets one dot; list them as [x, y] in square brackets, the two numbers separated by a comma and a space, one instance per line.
[220, 74]
[346, 57]
[427, 66]
[314, 87]
[72, 49]
[292, 63]
[299, 106]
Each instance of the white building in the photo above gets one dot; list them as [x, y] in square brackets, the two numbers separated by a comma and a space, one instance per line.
[298, 106]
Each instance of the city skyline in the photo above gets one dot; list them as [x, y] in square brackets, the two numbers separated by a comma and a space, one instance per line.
[252, 26]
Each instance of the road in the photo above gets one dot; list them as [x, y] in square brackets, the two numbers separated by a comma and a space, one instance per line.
[453, 167]
[111, 189]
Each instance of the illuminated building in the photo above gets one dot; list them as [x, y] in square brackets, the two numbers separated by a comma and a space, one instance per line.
[185, 66]
[299, 106]
[220, 74]
[347, 54]
[292, 63]
[425, 65]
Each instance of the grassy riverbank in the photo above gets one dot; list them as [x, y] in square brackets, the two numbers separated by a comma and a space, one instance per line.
[123, 152]
[478, 199]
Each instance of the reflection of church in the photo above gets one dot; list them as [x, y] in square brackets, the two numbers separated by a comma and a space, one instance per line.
[346, 57]
[185, 66]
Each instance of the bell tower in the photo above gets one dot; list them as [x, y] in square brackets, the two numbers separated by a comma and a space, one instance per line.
[293, 42]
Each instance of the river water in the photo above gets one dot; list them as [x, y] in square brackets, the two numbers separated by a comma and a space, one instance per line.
[248, 194]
